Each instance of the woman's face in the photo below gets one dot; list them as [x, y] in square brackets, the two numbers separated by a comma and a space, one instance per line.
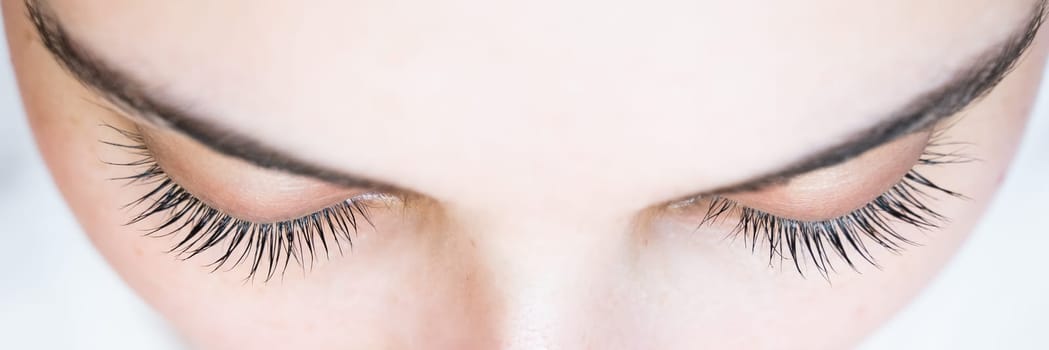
[525, 175]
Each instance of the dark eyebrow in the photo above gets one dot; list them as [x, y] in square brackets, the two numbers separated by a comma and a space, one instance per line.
[967, 86]
[922, 113]
[129, 96]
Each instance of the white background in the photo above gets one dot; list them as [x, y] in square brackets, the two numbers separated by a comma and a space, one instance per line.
[56, 292]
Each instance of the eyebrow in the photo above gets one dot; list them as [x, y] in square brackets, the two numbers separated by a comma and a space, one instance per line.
[130, 96]
[922, 113]
[965, 87]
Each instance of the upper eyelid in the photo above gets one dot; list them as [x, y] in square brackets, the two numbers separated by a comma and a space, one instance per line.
[935, 139]
[932, 154]
[137, 144]
[785, 178]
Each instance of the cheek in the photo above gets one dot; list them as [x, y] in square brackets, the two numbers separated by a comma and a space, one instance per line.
[709, 292]
[401, 297]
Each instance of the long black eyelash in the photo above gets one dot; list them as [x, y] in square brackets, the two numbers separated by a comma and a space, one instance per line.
[269, 248]
[820, 242]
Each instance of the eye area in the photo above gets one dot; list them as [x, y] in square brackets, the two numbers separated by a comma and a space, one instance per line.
[811, 240]
[838, 190]
[240, 189]
[835, 219]
[267, 247]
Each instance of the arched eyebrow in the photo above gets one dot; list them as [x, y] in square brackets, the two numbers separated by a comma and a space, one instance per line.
[923, 112]
[131, 97]
[966, 86]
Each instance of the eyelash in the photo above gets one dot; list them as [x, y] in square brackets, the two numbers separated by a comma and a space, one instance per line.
[820, 241]
[268, 247]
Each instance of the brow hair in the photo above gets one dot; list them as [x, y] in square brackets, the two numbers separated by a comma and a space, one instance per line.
[123, 91]
[967, 87]
[128, 95]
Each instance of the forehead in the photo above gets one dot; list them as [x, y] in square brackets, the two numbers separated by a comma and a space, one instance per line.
[592, 98]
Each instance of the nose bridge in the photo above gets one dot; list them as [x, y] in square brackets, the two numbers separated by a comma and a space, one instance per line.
[546, 274]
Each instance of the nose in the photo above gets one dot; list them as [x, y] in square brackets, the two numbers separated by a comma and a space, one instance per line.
[551, 279]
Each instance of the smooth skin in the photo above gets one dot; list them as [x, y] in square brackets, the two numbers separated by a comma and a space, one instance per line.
[544, 140]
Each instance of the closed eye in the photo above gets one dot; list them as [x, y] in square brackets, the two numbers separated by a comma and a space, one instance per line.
[846, 238]
[266, 248]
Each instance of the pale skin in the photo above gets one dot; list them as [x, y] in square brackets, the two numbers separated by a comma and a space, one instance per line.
[542, 144]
